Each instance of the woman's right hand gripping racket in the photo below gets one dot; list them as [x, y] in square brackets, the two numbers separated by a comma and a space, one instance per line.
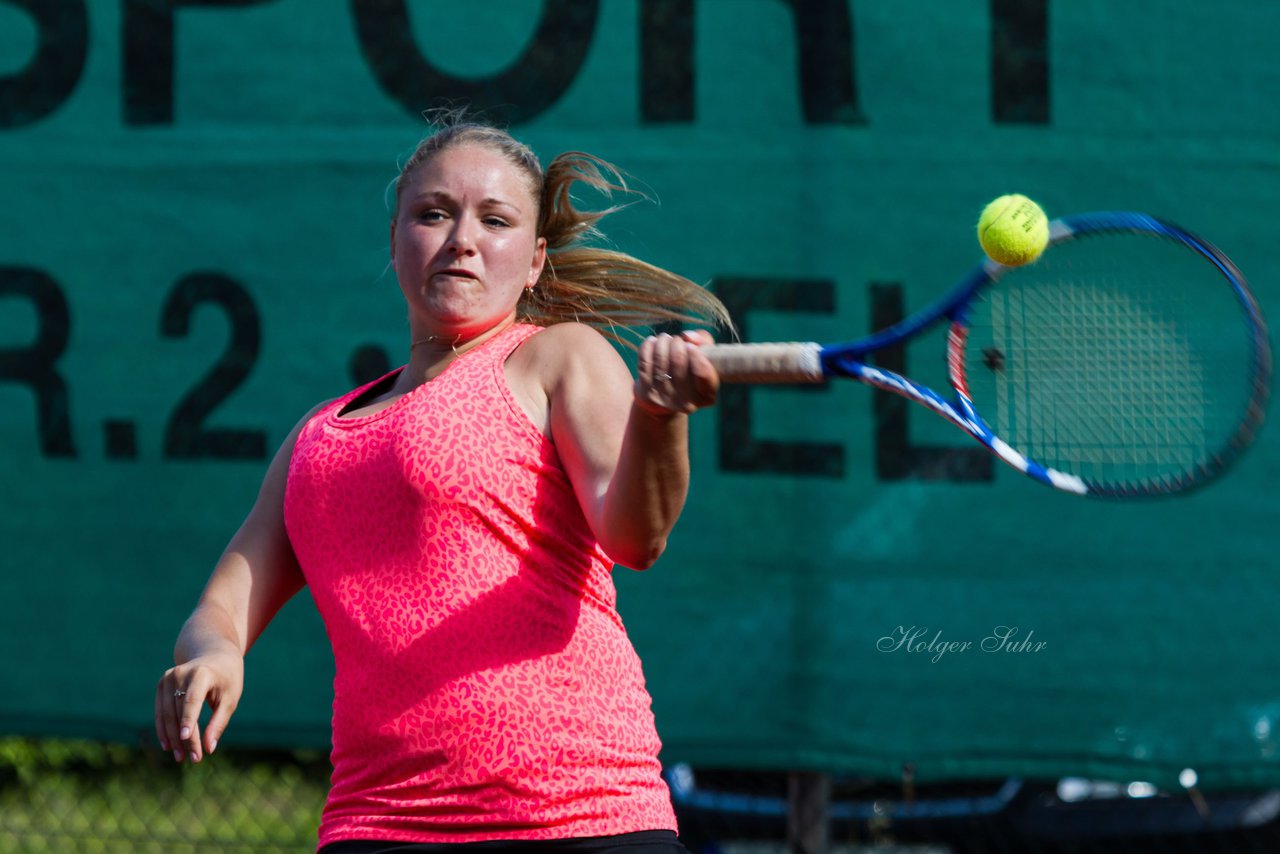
[1129, 361]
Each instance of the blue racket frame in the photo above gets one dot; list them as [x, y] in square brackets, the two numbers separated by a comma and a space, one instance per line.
[848, 359]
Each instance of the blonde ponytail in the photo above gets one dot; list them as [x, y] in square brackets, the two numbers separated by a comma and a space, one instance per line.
[610, 290]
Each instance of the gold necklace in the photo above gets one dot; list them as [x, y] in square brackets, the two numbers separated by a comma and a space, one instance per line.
[453, 345]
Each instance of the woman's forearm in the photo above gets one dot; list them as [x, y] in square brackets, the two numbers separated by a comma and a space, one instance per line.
[649, 487]
[209, 630]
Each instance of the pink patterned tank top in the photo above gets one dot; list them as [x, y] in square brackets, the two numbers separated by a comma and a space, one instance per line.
[485, 687]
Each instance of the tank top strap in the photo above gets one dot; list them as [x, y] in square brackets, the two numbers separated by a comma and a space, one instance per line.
[477, 381]
[501, 348]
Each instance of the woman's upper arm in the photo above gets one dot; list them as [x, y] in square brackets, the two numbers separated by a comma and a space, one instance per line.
[258, 572]
[590, 395]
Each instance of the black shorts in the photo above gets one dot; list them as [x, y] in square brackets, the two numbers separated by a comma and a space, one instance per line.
[642, 842]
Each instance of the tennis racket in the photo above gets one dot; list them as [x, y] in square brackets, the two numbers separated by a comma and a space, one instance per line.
[1130, 360]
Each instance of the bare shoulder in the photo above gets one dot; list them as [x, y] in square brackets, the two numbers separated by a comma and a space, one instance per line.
[312, 413]
[279, 467]
[566, 349]
[287, 445]
[571, 339]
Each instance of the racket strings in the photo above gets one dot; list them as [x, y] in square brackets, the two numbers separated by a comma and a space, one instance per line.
[1111, 366]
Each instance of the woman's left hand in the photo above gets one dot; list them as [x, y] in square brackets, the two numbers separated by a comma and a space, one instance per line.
[674, 376]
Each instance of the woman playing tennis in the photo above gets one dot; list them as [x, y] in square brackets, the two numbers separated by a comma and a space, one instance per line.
[456, 522]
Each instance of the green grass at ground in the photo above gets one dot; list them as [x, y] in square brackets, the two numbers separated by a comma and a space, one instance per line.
[60, 795]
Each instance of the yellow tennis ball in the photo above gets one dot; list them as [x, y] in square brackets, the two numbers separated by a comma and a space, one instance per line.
[1013, 230]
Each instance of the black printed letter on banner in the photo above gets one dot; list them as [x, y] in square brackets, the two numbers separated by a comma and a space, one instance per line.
[62, 43]
[824, 42]
[35, 364]
[1020, 61]
[740, 450]
[897, 457]
[148, 57]
[534, 82]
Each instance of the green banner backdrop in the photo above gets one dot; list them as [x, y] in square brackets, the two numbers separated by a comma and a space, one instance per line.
[193, 251]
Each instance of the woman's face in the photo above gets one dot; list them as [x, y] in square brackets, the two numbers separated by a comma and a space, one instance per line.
[464, 242]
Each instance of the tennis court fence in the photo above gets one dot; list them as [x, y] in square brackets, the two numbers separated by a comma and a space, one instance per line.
[60, 795]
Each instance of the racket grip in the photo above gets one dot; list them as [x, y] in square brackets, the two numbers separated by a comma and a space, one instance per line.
[794, 362]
